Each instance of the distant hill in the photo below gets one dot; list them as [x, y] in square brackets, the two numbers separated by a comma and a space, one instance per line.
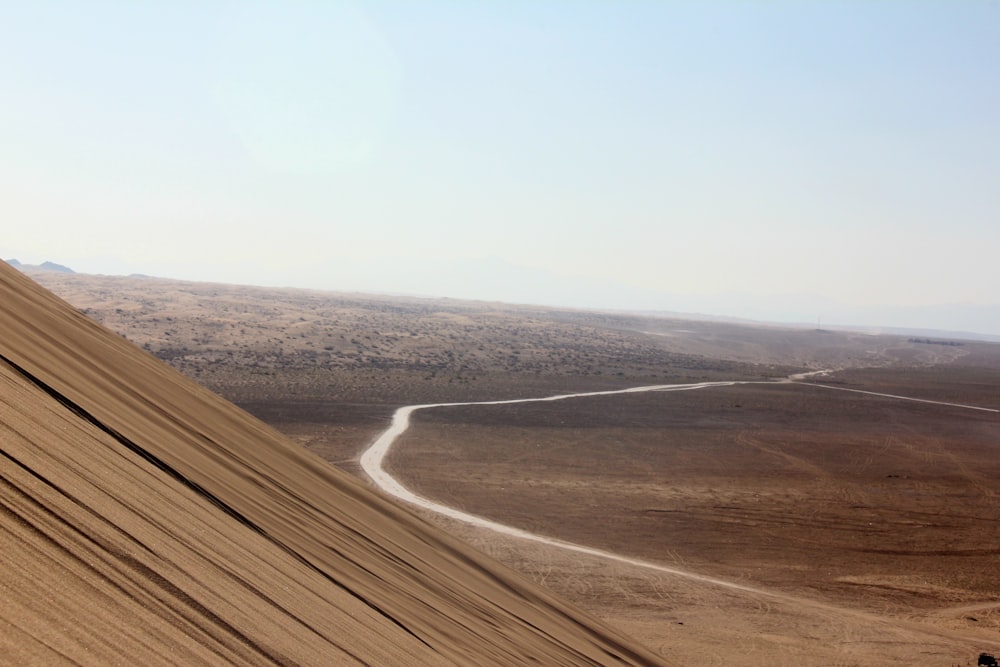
[493, 279]
[44, 266]
[498, 281]
[52, 266]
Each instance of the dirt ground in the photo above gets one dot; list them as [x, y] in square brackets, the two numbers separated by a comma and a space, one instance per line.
[869, 528]
[857, 512]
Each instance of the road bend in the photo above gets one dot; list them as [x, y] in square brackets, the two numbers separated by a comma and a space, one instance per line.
[373, 458]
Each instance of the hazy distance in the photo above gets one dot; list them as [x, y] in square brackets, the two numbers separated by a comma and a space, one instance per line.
[825, 162]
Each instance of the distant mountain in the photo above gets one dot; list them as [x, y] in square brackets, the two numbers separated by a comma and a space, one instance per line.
[52, 266]
[44, 266]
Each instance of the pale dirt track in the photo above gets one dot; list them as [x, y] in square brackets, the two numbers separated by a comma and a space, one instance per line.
[372, 461]
[372, 458]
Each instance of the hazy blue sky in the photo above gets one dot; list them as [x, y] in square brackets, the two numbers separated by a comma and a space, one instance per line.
[673, 155]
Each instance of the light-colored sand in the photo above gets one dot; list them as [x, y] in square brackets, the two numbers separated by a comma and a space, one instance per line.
[143, 520]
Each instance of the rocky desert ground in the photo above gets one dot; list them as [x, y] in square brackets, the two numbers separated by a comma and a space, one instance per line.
[826, 521]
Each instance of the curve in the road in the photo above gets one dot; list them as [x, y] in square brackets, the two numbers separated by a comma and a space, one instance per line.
[373, 457]
[371, 462]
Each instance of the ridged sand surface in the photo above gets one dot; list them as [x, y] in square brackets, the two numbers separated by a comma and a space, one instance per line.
[144, 520]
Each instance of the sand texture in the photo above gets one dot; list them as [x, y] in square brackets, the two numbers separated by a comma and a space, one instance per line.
[144, 520]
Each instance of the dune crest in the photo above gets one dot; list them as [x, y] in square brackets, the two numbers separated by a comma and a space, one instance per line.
[146, 520]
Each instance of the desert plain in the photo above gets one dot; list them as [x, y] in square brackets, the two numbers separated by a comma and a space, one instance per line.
[829, 520]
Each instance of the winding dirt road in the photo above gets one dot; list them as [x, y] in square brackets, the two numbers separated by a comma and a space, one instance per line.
[372, 458]
[372, 463]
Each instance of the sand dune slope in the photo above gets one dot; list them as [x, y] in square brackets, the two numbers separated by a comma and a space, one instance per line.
[144, 520]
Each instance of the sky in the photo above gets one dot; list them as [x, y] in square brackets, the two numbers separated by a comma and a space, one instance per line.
[801, 161]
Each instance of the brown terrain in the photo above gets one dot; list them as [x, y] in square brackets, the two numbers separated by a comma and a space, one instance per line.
[837, 527]
[147, 521]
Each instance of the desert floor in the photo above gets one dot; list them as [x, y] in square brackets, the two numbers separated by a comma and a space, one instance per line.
[863, 529]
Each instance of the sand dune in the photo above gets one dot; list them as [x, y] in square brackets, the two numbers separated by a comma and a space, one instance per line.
[144, 520]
